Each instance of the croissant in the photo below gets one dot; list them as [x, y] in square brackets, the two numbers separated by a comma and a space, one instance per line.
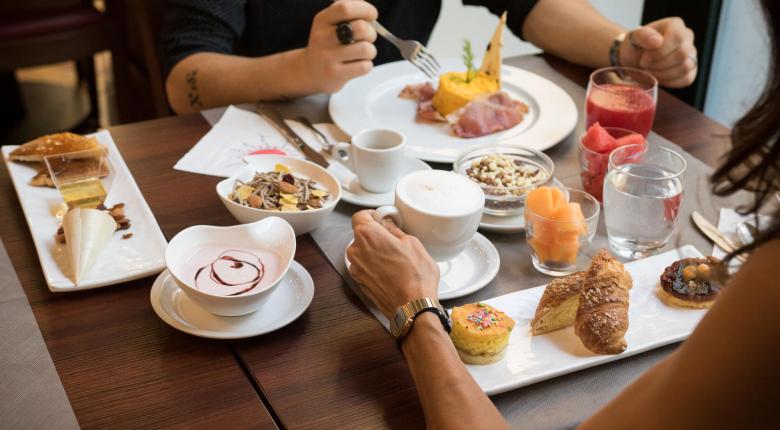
[602, 315]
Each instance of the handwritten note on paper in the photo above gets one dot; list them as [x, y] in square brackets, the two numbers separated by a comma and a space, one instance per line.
[237, 134]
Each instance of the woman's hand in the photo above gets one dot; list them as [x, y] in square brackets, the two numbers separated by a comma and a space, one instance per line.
[331, 64]
[392, 267]
[665, 49]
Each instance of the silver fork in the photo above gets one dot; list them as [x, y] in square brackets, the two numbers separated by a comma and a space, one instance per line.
[412, 51]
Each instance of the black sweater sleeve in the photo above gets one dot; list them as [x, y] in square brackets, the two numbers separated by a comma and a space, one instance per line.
[517, 11]
[192, 26]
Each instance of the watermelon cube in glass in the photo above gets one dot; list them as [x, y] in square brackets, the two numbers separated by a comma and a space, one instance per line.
[595, 146]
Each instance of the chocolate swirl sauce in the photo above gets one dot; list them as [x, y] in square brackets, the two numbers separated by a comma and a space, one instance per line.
[234, 272]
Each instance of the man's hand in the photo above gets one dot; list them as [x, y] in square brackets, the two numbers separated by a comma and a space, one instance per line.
[329, 63]
[665, 49]
[392, 267]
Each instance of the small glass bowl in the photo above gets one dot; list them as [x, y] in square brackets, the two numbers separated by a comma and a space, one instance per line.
[501, 200]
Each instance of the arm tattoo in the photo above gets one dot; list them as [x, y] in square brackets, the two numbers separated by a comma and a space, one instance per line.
[192, 89]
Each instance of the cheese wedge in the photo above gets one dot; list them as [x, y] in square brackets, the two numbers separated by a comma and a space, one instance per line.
[491, 63]
[87, 231]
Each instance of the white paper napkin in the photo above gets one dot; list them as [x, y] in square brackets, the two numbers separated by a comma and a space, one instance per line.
[239, 132]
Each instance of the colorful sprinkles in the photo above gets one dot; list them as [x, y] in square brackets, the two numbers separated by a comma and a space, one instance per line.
[483, 319]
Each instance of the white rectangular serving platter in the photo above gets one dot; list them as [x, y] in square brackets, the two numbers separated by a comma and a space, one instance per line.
[530, 359]
[123, 259]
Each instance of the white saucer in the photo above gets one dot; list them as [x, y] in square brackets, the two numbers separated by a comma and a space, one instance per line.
[287, 302]
[503, 224]
[355, 194]
[471, 270]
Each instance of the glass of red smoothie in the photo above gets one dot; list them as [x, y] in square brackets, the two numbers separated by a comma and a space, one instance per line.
[622, 97]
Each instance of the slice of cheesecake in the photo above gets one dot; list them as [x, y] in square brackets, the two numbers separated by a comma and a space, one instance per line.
[87, 231]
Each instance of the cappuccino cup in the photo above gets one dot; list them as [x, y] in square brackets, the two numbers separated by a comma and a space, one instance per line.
[377, 158]
[442, 209]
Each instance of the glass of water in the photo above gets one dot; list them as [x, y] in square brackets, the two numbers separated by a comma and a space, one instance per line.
[643, 191]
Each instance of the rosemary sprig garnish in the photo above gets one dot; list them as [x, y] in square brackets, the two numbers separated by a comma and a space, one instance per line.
[468, 60]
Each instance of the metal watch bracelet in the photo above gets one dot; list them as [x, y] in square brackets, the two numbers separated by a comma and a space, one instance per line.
[405, 315]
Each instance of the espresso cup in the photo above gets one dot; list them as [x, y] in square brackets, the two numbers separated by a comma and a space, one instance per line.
[442, 209]
[377, 158]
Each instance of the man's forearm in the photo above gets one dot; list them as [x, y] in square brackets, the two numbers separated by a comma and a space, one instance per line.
[449, 395]
[573, 30]
[209, 79]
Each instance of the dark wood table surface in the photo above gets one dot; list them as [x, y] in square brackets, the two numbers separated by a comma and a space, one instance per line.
[122, 367]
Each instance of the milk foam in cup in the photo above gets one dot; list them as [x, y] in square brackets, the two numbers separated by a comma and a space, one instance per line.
[442, 209]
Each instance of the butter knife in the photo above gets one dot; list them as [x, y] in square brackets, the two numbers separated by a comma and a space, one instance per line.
[291, 136]
[712, 232]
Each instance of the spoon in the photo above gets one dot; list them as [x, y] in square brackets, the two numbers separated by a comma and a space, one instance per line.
[326, 145]
[747, 232]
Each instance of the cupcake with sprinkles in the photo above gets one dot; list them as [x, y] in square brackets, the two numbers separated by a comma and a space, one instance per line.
[480, 333]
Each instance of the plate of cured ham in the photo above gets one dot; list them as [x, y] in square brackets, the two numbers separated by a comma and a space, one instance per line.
[547, 113]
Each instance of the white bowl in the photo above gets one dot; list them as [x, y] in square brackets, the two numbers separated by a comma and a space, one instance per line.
[303, 221]
[272, 233]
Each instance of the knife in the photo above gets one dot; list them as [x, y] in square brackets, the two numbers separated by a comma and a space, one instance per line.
[291, 136]
[715, 235]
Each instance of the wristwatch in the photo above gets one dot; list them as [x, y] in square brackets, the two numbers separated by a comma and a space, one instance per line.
[402, 321]
[614, 49]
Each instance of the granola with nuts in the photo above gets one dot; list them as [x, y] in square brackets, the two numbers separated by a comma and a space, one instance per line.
[279, 190]
[502, 171]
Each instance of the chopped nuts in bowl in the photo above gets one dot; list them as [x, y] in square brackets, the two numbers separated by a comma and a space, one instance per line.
[298, 191]
[506, 174]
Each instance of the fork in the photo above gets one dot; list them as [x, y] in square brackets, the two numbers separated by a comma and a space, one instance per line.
[412, 51]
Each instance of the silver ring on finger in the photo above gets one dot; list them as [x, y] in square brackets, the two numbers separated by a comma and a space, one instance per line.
[344, 33]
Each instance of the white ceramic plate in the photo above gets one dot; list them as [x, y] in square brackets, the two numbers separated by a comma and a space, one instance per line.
[287, 302]
[530, 359]
[372, 102]
[355, 194]
[474, 268]
[123, 259]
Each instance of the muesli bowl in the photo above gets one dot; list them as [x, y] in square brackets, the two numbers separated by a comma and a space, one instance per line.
[302, 221]
[506, 173]
[271, 234]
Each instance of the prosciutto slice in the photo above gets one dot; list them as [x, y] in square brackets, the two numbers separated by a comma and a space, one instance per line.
[486, 114]
[423, 94]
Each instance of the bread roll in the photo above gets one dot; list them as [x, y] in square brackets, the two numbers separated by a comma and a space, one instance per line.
[602, 316]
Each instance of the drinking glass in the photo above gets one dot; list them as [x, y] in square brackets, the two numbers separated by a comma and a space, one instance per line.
[643, 190]
[621, 97]
[593, 165]
[559, 244]
[83, 178]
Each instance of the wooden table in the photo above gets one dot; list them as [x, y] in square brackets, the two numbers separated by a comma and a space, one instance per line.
[122, 367]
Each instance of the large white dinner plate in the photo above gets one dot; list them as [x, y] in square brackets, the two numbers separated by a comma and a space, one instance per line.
[123, 259]
[372, 101]
[530, 359]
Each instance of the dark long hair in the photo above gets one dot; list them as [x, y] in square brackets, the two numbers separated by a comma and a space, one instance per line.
[753, 163]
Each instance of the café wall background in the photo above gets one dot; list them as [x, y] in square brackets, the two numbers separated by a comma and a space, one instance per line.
[738, 71]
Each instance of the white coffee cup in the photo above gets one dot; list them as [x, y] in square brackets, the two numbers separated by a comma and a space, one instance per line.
[442, 209]
[376, 156]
